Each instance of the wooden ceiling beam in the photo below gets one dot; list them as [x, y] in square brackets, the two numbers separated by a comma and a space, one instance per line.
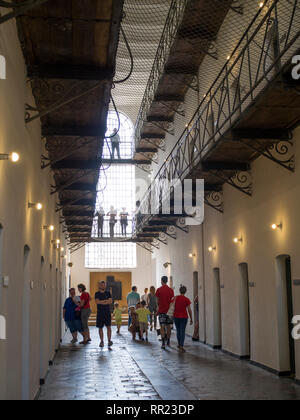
[70, 72]
[224, 166]
[73, 131]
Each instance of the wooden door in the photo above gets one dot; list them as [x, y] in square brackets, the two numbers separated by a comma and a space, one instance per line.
[124, 278]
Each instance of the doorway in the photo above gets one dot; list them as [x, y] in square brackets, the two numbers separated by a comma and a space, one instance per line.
[43, 329]
[244, 310]
[285, 313]
[26, 326]
[121, 286]
[217, 309]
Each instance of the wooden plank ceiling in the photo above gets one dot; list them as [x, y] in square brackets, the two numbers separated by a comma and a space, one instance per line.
[70, 48]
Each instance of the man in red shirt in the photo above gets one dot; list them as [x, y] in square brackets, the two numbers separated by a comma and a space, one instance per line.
[165, 296]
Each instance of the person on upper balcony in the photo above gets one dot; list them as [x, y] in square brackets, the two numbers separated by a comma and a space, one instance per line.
[115, 143]
[124, 221]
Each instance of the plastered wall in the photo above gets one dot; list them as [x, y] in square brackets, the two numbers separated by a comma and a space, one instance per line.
[31, 303]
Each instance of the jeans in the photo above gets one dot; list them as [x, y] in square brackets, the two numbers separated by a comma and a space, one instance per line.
[181, 324]
[116, 147]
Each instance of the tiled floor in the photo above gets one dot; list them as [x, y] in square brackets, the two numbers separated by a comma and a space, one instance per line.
[140, 371]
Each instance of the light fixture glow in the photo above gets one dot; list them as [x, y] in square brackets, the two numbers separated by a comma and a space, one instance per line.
[275, 226]
[37, 206]
[212, 248]
[238, 240]
[13, 157]
[192, 255]
[47, 227]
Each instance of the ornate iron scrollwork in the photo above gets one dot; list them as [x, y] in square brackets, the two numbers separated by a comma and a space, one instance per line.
[215, 200]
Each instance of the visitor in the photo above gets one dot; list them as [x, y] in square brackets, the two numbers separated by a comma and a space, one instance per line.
[164, 298]
[112, 221]
[132, 299]
[86, 312]
[124, 221]
[115, 143]
[103, 301]
[134, 325]
[69, 313]
[100, 221]
[143, 314]
[118, 317]
[182, 312]
[145, 296]
[152, 306]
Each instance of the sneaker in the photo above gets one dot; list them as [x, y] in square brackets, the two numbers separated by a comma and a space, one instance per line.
[163, 346]
[89, 340]
[101, 345]
[74, 341]
[110, 344]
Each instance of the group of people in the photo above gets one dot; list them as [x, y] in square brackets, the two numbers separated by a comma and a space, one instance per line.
[164, 305]
[113, 220]
[161, 304]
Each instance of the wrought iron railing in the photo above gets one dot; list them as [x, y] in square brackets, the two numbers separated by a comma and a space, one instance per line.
[268, 44]
[173, 22]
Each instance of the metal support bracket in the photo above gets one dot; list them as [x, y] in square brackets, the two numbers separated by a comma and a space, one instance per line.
[215, 200]
[242, 181]
[281, 153]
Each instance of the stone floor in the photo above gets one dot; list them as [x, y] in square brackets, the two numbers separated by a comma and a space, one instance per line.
[141, 371]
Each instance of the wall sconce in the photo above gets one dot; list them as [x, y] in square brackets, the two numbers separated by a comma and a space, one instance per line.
[192, 255]
[62, 249]
[13, 157]
[238, 240]
[166, 265]
[212, 248]
[276, 227]
[37, 206]
[49, 227]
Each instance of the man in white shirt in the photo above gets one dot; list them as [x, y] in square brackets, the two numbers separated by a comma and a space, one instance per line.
[115, 143]
[145, 296]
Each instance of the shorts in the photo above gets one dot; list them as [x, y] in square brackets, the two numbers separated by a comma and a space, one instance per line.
[144, 326]
[74, 326]
[103, 320]
[85, 314]
[164, 319]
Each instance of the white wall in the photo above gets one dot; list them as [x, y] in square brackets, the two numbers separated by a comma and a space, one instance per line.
[19, 184]
[141, 276]
[275, 200]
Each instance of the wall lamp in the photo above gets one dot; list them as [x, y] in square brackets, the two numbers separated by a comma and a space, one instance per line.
[276, 227]
[13, 157]
[212, 248]
[49, 227]
[192, 255]
[238, 240]
[37, 206]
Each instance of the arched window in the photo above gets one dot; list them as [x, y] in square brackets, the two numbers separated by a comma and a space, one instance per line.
[116, 188]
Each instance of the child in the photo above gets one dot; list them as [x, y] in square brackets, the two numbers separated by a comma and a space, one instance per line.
[134, 327]
[118, 317]
[143, 314]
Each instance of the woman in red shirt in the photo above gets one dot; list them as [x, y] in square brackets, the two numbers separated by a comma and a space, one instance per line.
[181, 312]
[85, 312]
